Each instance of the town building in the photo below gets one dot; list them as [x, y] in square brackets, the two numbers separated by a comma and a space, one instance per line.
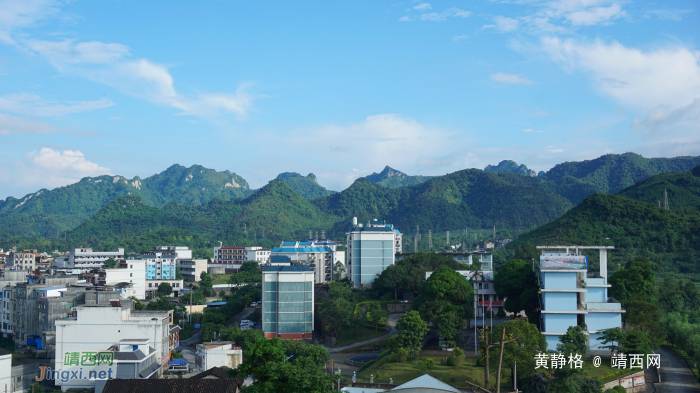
[319, 256]
[129, 278]
[370, 250]
[571, 295]
[5, 371]
[176, 252]
[233, 257]
[288, 302]
[153, 285]
[192, 269]
[97, 329]
[86, 259]
[25, 260]
[217, 354]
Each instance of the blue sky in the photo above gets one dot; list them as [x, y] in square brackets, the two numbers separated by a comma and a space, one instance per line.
[340, 89]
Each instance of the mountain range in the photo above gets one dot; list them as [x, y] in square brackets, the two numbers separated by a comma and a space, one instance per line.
[469, 198]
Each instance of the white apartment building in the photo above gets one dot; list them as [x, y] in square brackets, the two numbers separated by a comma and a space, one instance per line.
[319, 256]
[370, 250]
[25, 260]
[86, 259]
[217, 354]
[235, 256]
[192, 269]
[95, 330]
[176, 285]
[177, 252]
[132, 271]
[5, 371]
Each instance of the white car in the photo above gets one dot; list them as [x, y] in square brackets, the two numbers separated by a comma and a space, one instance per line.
[253, 304]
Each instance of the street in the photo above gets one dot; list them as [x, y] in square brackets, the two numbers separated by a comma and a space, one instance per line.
[676, 377]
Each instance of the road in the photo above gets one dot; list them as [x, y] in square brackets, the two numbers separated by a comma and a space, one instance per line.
[391, 323]
[676, 376]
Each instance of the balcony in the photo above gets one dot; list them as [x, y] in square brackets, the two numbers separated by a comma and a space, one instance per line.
[611, 305]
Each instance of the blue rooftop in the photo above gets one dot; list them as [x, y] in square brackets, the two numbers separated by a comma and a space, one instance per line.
[296, 268]
[280, 258]
[305, 243]
[302, 249]
[215, 304]
[289, 243]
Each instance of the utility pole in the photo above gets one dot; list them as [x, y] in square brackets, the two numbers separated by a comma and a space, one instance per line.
[430, 240]
[323, 234]
[245, 229]
[447, 238]
[310, 237]
[415, 244]
[665, 199]
[494, 233]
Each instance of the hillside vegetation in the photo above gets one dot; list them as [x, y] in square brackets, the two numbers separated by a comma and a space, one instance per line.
[390, 177]
[306, 186]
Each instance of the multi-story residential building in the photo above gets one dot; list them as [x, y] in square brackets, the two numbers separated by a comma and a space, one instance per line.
[25, 260]
[96, 329]
[217, 354]
[310, 253]
[176, 285]
[288, 302]
[86, 259]
[161, 268]
[370, 250]
[177, 252]
[5, 371]
[4, 256]
[572, 296]
[130, 271]
[192, 269]
[233, 257]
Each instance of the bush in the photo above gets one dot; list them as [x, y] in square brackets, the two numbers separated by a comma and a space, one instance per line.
[619, 389]
[401, 355]
[537, 383]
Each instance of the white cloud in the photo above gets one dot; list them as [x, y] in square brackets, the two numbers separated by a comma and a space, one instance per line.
[504, 24]
[106, 63]
[595, 15]
[676, 15]
[638, 79]
[33, 105]
[512, 79]
[52, 168]
[405, 19]
[13, 125]
[16, 14]
[663, 119]
[442, 16]
[531, 130]
[460, 37]
[423, 7]
[553, 149]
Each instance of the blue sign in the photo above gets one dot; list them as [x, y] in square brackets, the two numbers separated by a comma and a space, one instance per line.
[196, 326]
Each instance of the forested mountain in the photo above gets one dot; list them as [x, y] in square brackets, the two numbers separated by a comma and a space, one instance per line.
[610, 173]
[683, 189]
[510, 166]
[392, 178]
[467, 198]
[670, 238]
[306, 186]
[49, 212]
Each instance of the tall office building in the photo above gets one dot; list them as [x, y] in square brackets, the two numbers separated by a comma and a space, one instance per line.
[370, 250]
[288, 302]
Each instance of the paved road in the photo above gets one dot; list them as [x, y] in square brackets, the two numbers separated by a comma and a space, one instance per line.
[391, 323]
[676, 377]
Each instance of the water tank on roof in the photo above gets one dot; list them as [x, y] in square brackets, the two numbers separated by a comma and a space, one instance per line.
[354, 221]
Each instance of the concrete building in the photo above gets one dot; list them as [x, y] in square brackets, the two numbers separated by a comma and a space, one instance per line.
[25, 260]
[131, 272]
[86, 259]
[5, 371]
[192, 269]
[233, 257]
[176, 285]
[96, 329]
[177, 252]
[573, 296]
[318, 256]
[217, 354]
[370, 250]
[288, 302]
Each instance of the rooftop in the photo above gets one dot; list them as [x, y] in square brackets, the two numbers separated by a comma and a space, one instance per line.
[295, 268]
[189, 385]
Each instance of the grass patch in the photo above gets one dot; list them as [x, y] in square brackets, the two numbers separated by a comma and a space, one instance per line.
[401, 373]
[222, 279]
[347, 337]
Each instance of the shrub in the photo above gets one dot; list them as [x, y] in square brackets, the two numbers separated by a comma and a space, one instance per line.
[619, 389]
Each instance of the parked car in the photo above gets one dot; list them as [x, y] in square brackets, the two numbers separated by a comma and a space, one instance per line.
[253, 304]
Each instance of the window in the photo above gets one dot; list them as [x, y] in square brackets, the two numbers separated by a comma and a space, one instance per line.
[486, 286]
[150, 285]
[131, 274]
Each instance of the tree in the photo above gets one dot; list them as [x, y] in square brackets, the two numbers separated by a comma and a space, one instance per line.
[340, 290]
[164, 289]
[376, 315]
[451, 325]
[574, 341]
[636, 280]
[160, 303]
[613, 337]
[457, 357]
[413, 329]
[210, 331]
[517, 283]
[138, 305]
[636, 342]
[527, 252]
[338, 271]
[643, 315]
[530, 342]
[444, 291]
[337, 313]
[284, 367]
[401, 355]
[110, 263]
[206, 284]
[197, 297]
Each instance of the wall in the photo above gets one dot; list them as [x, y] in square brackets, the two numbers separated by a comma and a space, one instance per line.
[5, 372]
[552, 342]
[559, 280]
[616, 382]
[596, 295]
[559, 301]
[603, 320]
[558, 323]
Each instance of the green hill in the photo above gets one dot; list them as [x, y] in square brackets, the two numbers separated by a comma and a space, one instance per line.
[392, 178]
[610, 173]
[683, 189]
[467, 198]
[635, 228]
[306, 186]
[510, 166]
[49, 212]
